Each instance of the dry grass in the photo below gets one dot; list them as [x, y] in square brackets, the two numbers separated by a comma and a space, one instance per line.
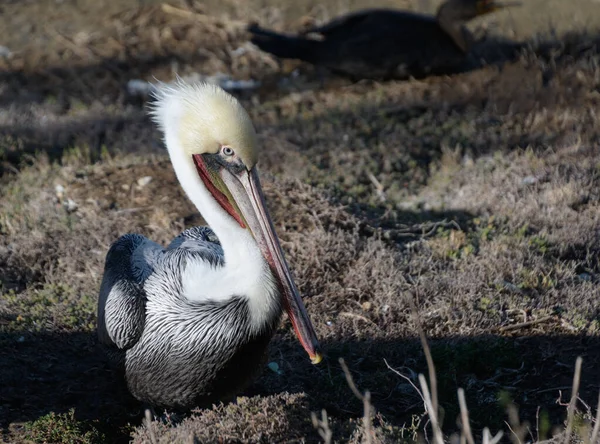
[277, 418]
[476, 197]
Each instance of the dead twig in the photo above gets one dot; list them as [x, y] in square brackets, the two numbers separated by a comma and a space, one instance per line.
[537, 422]
[422, 231]
[527, 323]
[437, 431]
[183, 13]
[516, 439]
[347, 314]
[572, 404]
[428, 358]
[553, 389]
[322, 426]
[82, 51]
[366, 399]
[514, 424]
[464, 417]
[488, 439]
[596, 430]
[148, 421]
[132, 210]
[378, 186]
[406, 378]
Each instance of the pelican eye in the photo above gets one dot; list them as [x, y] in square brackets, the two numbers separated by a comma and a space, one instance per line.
[227, 151]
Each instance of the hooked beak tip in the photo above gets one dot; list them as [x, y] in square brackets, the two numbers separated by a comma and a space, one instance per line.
[316, 359]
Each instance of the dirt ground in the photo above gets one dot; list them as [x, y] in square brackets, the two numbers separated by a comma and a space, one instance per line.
[476, 197]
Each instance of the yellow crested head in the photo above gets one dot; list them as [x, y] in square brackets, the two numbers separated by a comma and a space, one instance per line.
[204, 118]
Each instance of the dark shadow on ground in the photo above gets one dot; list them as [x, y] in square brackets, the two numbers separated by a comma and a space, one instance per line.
[131, 133]
[103, 81]
[531, 370]
[405, 226]
[41, 373]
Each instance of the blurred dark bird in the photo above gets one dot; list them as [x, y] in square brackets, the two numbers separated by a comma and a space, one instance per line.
[190, 323]
[385, 43]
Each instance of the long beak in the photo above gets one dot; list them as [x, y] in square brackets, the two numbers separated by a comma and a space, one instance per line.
[245, 189]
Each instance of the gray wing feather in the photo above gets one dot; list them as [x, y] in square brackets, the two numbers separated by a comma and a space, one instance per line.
[129, 262]
[122, 301]
[195, 236]
[200, 241]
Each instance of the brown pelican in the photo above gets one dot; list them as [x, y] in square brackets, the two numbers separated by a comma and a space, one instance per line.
[190, 323]
[385, 43]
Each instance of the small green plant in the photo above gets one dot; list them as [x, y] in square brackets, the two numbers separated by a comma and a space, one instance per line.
[53, 304]
[522, 232]
[540, 244]
[536, 279]
[62, 428]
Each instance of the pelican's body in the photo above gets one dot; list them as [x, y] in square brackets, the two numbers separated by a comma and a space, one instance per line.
[190, 323]
[384, 43]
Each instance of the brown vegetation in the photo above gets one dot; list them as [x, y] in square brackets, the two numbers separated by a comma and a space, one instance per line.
[475, 197]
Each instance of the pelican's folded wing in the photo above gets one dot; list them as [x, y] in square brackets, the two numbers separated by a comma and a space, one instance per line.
[197, 237]
[122, 301]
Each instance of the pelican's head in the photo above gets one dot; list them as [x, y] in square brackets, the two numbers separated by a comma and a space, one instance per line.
[215, 134]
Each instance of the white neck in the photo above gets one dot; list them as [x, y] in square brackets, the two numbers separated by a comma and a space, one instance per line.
[236, 241]
[245, 272]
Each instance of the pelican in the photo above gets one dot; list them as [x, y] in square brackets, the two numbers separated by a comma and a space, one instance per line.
[190, 324]
[385, 43]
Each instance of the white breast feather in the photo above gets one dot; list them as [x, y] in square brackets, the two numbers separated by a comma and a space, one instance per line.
[249, 278]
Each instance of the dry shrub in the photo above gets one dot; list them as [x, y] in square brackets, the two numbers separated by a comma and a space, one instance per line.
[534, 248]
[283, 417]
[330, 258]
[54, 238]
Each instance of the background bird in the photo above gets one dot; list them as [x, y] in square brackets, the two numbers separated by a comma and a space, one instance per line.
[190, 324]
[385, 43]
